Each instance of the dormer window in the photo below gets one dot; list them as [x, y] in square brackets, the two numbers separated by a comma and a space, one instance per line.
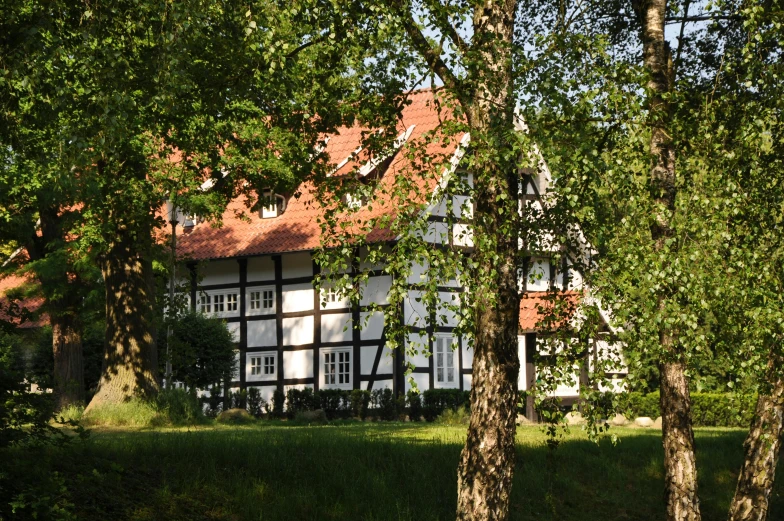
[355, 201]
[272, 204]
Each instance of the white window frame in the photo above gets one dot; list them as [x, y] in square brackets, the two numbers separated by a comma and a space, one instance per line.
[263, 357]
[275, 204]
[339, 302]
[261, 310]
[204, 303]
[224, 296]
[449, 350]
[336, 353]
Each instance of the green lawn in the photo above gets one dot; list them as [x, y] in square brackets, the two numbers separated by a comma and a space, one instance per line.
[369, 471]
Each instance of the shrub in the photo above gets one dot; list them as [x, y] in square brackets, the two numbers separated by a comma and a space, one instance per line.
[235, 417]
[214, 402]
[310, 417]
[299, 400]
[239, 399]
[334, 402]
[414, 405]
[436, 401]
[457, 417]
[179, 407]
[707, 409]
[360, 401]
[256, 403]
[170, 407]
[278, 400]
[385, 403]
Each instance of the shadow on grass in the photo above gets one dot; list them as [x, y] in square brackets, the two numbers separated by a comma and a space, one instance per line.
[374, 472]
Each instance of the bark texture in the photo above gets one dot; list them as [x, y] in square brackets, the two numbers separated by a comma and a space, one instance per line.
[682, 502]
[762, 447]
[68, 360]
[487, 460]
[130, 363]
[680, 464]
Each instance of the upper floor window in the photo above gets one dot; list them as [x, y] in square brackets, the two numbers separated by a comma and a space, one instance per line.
[261, 300]
[261, 366]
[272, 204]
[221, 304]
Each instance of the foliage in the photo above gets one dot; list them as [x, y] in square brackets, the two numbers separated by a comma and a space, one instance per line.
[454, 417]
[300, 400]
[414, 401]
[235, 416]
[317, 416]
[707, 409]
[201, 350]
[436, 401]
[278, 401]
[256, 403]
[360, 401]
[214, 401]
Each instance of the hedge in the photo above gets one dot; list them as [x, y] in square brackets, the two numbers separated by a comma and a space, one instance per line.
[707, 409]
[436, 401]
[339, 403]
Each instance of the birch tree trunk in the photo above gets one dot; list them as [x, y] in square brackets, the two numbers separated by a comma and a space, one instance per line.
[487, 460]
[762, 444]
[682, 502]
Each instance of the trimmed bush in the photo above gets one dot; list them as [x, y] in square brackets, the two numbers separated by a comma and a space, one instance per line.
[707, 409]
[298, 400]
[360, 402]
[385, 404]
[235, 417]
[336, 403]
[414, 406]
[436, 401]
[214, 401]
[278, 400]
[256, 403]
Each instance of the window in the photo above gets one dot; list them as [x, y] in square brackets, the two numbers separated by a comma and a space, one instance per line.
[272, 204]
[261, 366]
[261, 300]
[204, 304]
[331, 295]
[445, 361]
[337, 368]
[218, 303]
[231, 302]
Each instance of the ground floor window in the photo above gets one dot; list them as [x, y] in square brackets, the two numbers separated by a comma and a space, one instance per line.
[337, 368]
[446, 373]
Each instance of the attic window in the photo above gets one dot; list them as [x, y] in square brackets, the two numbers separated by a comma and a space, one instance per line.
[273, 204]
[355, 201]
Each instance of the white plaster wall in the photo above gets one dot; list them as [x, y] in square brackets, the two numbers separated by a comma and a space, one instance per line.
[462, 235]
[468, 355]
[463, 207]
[298, 364]
[373, 328]
[235, 371]
[522, 380]
[381, 384]
[467, 379]
[387, 362]
[336, 328]
[261, 269]
[418, 342]
[221, 272]
[297, 331]
[367, 357]
[297, 265]
[415, 313]
[262, 333]
[375, 290]
[422, 381]
[437, 233]
[297, 297]
[539, 275]
[445, 316]
[417, 273]
[234, 329]
[266, 391]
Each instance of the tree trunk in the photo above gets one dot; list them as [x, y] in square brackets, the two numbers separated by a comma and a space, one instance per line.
[680, 465]
[484, 477]
[762, 450]
[677, 436]
[130, 362]
[68, 360]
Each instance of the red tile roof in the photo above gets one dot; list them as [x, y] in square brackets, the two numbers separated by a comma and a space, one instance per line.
[11, 309]
[538, 309]
[297, 229]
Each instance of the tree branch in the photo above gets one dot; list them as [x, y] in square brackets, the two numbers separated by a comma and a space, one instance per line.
[443, 24]
[423, 47]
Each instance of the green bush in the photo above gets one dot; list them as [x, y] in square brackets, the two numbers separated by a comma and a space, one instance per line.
[334, 402]
[454, 418]
[385, 404]
[278, 400]
[298, 400]
[707, 409]
[360, 402]
[170, 407]
[414, 406]
[235, 417]
[239, 399]
[436, 401]
[214, 401]
[255, 402]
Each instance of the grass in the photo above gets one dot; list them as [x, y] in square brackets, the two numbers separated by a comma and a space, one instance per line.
[369, 471]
